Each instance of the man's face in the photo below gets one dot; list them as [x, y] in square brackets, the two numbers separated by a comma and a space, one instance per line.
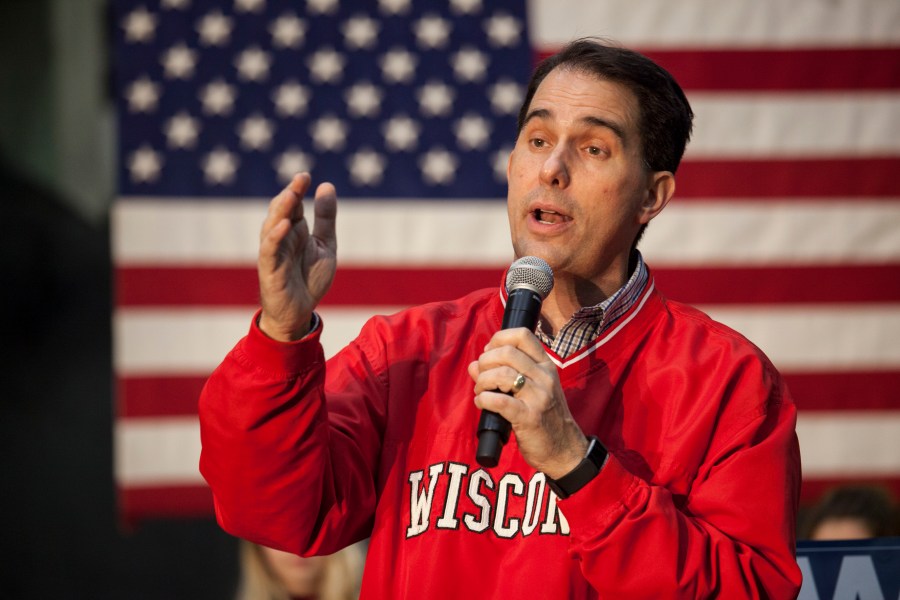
[578, 192]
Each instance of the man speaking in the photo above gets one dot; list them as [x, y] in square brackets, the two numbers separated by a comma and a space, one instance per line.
[652, 451]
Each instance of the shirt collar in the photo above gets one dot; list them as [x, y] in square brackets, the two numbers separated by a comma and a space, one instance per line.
[601, 315]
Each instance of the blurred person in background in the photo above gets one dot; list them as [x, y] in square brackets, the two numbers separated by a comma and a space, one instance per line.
[852, 513]
[269, 574]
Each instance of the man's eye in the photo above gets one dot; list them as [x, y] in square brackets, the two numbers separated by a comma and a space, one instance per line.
[594, 151]
[538, 143]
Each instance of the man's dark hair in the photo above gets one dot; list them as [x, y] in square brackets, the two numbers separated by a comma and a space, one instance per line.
[665, 115]
[872, 504]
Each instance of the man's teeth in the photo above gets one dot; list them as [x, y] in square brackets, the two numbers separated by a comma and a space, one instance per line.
[542, 216]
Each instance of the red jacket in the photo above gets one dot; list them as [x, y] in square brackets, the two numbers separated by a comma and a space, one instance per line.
[698, 498]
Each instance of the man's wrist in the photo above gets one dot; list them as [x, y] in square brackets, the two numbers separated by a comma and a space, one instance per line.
[275, 333]
[585, 471]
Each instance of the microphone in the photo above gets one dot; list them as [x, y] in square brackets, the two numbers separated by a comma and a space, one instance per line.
[528, 282]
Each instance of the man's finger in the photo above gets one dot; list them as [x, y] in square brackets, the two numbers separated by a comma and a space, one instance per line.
[509, 407]
[505, 357]
[325, 210]
[522, 339]
[268, 244]
[500, 379]
[287, 204]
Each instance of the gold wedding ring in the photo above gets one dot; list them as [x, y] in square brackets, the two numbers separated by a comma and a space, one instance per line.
[518, 383]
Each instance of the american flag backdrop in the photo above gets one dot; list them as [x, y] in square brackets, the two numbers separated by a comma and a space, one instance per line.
[785, 224]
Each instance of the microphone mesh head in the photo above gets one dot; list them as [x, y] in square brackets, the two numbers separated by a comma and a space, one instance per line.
[531, 272]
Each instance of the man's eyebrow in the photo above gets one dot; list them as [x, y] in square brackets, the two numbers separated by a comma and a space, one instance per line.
[543, 113]
[538, 113]
[611, 125]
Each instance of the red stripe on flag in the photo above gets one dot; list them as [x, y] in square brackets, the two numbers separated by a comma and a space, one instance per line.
[188, 286]
[172, 396]
[371, 286]
[136, 503]
[237, 286]
[845, 390]
[165, 502]
[843, 178]
[812, 489]
[781, 284]
[163, 396]
[792, 69]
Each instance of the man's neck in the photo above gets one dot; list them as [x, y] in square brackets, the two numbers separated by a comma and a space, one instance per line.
[571, 293]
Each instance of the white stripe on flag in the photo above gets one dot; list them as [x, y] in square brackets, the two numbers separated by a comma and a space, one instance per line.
[736, 23]
[194, 341]
[166, 451]
[789, 232]
[865, 444]
[689, 233]
[179, 341]
[156, 451]
[369, 232]
[783, 125]
[194, 231]
[820, 338]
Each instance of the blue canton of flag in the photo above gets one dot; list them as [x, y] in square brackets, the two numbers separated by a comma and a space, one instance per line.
[392, 98]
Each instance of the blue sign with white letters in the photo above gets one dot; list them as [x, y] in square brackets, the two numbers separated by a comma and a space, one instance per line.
[850, 570]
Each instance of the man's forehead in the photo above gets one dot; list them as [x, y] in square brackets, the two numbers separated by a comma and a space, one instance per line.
[562, 84]
[586, 98]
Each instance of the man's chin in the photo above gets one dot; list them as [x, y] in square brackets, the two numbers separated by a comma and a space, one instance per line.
[543, 251]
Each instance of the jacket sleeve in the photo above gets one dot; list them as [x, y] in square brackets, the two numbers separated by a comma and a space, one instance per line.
[271, 450]
[732, 536]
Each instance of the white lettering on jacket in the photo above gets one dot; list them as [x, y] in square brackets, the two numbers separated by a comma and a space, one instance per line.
[420, 501]
[489, 504]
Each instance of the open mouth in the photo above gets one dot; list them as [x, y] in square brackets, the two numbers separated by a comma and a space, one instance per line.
[549, 217]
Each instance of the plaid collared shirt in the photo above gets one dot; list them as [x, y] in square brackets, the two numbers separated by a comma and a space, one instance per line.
[590, 321]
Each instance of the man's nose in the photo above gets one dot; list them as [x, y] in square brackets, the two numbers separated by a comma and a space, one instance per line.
[555, 170]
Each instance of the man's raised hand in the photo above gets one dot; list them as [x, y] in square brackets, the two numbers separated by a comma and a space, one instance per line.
[296, 268]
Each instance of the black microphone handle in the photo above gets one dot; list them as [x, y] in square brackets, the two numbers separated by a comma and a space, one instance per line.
[523, 308]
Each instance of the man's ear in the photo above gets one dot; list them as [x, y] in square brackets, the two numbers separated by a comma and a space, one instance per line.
[659, 192]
